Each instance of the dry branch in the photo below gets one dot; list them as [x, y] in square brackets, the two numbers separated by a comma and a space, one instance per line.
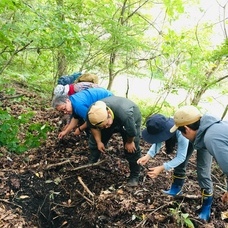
[86, 198]
[57, 164]
[88, 165]
[85, 187]
[222, 189]
[11, 97]
[6, 201]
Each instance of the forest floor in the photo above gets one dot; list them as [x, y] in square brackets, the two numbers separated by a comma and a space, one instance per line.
[53, 186]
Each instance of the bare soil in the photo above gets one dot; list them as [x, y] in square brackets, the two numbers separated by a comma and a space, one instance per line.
[53, 186]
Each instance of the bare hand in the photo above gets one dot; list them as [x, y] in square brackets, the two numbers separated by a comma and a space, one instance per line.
[62, 134]
[154, 172]
[225, 198]
[143, 160]
[130, 147]
[101, 147]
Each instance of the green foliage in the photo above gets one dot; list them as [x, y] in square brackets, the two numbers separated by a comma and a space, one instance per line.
[17, 135]
[221, 52]
[174, 7]
[182, 218]
[148, 108]
[108, 38]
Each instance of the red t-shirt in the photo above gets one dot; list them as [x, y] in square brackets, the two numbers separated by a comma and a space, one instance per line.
[71, 90]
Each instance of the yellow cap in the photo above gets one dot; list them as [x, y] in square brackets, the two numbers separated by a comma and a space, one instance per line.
[97, 113]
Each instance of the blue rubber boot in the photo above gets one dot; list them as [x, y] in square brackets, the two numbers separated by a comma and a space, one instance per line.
[205, 210]
[176, 186]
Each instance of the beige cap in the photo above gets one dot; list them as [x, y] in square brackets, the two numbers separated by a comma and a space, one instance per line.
[97, 113]
[185, 115]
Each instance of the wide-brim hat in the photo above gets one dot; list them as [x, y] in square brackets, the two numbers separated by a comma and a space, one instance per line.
[157, 129]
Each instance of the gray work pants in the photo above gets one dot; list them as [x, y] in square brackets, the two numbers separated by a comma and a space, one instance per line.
[203, 167]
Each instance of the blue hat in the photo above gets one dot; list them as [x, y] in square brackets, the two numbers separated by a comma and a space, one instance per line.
[157, 129]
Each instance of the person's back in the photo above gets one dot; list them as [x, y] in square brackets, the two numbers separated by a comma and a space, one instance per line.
[69, 79]
[213, 135]
[82, 100]
[111, 115]
[87, 77]
[210, 138]
[71, 89]
[121, 108]
[77, 87]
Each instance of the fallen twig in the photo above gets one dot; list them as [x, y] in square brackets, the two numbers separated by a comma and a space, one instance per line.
[39, 211]
[220, 188]
[6, 201]
[158, 208]
[188, 196]
[88, 165]
[85, 187]
[86, 198]
[63, 205]
[57, 164]
[11, 97]
[142, 223]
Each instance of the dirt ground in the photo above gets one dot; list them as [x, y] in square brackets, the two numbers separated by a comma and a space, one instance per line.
[53, 186]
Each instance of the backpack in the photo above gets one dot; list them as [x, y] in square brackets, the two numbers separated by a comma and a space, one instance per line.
[68, 79]
[88, 78]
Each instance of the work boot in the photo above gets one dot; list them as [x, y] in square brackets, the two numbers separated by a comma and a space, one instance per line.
[205, 210]
[94, 156]
[133, 182]
[176, 186]
[134, 174]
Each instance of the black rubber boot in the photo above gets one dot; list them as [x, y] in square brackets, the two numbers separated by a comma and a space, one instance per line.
[94, 156]
[134, 174]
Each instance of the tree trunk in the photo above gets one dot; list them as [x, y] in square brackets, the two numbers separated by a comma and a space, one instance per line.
[61, 58]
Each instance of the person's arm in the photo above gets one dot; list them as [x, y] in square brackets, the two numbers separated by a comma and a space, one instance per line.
[182, 147]
[83, 127]
[154, 149]
[73, 123]
[155, 171]
[129, 125]
[130, 145]
[150, 154]
[97, 136]
[80, 129]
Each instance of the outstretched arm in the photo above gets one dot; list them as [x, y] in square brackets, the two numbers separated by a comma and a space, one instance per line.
[97, 135]
[73, 123]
